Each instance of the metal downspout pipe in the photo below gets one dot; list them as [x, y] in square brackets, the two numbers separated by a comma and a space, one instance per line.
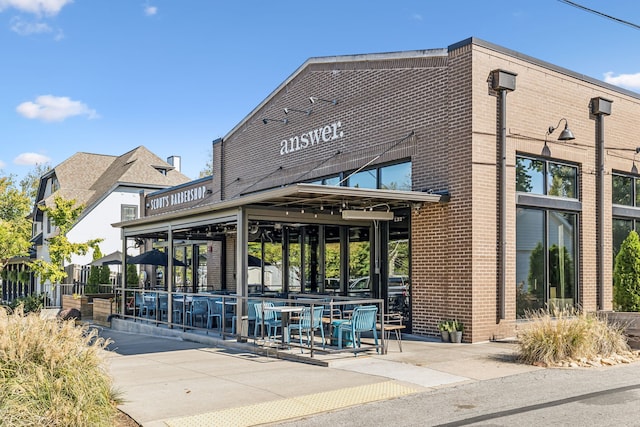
[503, 82]
[600, 107]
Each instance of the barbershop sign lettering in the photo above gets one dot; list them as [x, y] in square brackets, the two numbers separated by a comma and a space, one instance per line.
[178, 198]
[323, 134]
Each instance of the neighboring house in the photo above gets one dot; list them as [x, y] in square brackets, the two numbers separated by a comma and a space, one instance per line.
[111, 188]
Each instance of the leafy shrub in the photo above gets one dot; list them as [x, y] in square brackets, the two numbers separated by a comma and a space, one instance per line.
[569, 335]
[626, 275]
[30, 304]
[51, 374]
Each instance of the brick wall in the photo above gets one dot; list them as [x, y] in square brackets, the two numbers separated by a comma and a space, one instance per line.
[447, 101]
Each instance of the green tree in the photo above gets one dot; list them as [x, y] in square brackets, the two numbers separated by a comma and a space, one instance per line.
[15, 226]
[626, 275]
[31, 181]
[132, 276]
[63, 214]
[94, 273]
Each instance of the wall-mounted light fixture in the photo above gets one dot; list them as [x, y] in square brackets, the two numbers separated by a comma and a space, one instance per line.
[285, 120]
[565, 135]
[314, 99]
[634, 169]
[307, 112]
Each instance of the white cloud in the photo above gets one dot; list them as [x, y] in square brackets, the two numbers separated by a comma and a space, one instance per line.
[150, 10]
[31, 159]
[2, 164]
[25, 28]
[38, 7]
[51, 108]
[629, 81]
[416, 17]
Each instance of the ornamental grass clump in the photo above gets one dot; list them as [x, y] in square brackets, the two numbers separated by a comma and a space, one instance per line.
[566, 336]
[51, 373]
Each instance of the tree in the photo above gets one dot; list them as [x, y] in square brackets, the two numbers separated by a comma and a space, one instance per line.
[208, 167]
[94, 273]
[626, 275]
[97, 274]
[15, 226]
[30, 183]
[132, 276]
[63, 215]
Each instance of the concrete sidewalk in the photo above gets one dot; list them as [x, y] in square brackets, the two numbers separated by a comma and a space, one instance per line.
[170, 382]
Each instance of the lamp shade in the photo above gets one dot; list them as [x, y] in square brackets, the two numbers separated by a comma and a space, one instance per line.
[566, 134]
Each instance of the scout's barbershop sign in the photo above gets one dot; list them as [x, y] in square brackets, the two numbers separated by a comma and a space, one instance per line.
[178, 198]
[323, 134]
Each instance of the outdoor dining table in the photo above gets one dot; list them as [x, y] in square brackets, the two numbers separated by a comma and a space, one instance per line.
[284, 311]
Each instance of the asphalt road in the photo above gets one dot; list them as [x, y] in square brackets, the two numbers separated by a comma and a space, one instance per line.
[582, 397]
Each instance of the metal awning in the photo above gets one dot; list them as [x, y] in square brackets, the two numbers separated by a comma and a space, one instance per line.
[304, 196]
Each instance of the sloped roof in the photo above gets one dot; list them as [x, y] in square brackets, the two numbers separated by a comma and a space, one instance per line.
[88, 177]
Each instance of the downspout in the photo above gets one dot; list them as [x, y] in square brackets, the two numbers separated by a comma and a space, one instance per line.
[503, 82]
[600, 107]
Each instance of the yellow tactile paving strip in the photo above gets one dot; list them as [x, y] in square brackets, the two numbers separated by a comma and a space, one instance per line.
[296, 407]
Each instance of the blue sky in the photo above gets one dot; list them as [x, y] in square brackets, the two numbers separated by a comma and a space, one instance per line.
[105, 76]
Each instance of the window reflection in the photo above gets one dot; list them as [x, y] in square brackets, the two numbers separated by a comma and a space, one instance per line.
[396, 177]
[545, 259]
[364, 179]
[529, 175]
[546, 178]
[622, 190]
[562, 181]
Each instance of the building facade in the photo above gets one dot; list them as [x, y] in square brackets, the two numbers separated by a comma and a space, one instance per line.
[449, 142]
[111, 189]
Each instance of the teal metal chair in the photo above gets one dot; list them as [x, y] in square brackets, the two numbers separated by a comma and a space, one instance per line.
[362, 320]
[214, 313]
[310, 321]
[267, 318]
[198, 308]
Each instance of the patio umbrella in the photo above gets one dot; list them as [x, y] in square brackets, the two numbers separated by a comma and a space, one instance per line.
[154, 257]
[254, 261]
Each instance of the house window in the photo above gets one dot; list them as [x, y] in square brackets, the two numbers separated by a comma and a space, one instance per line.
[55, 185]
[546, 235]
[128, 212]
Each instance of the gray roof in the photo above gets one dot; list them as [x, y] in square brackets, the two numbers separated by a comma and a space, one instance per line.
[88, 177]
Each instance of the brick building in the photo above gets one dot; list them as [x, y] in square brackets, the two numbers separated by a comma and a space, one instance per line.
[436, 156]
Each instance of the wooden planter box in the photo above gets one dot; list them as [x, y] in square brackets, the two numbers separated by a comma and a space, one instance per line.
[79, 302]
[630, 321]
[102, 310]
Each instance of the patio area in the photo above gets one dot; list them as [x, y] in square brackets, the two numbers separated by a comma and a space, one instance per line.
[299, 327]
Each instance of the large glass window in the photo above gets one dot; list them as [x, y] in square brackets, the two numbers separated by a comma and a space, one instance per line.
[546, 269]
[625, 192]
[364, 179]
[396, 177]
[529, 175]
[621, 229]
[547, 178]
